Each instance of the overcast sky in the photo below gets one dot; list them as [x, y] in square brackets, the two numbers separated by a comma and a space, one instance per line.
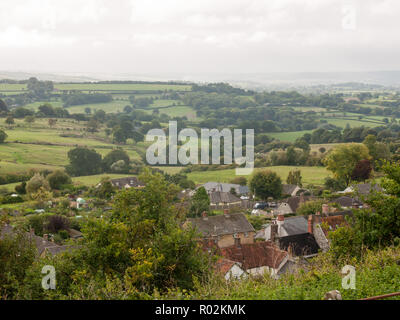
[199, 36]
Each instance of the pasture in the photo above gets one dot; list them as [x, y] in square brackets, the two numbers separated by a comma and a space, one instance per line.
[311, 175]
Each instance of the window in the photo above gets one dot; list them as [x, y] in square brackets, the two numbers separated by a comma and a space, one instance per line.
[246, 234]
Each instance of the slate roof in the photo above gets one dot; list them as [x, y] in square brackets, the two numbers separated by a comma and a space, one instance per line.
[295, 225]
[301, 244]
[132, 182]
[223, 197]
[295, 201]
[366, 188]
[255, 255]
[345, 201]
[40, 243]
[225, 187]
[288, 188]
[222, 224]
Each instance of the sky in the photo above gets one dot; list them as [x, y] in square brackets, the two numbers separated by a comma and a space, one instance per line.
[202, 36]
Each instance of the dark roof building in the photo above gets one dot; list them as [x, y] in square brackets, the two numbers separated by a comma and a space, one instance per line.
[226, 187]
[256, 255]
[222, 224]
[346, 202]
[303, 244]
[218, 197]
[128, 182]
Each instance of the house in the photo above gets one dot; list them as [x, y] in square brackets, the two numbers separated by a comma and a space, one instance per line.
[347, 202]
[322, 225]
[126, 183]
[223, 200]
[42, 244]
[290, 189]
[230, 269]
[257, 258]
[362, 189]
[291, 204]
[226, 187]
[294, 234]
[286, 227]
[283, 208]
[224, 230]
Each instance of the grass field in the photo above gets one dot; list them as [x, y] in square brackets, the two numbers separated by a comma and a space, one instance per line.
[288, 136]
[311, 175]
[121, 87]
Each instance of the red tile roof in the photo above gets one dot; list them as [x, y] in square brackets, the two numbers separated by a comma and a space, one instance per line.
[255, 255]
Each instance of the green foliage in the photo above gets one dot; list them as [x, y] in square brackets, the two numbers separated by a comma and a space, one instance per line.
[310, 207]
[199, 203]
[113, 157]
[36, 183]
[3, 136]
[16, 256]
[57, 179]
[294, 177]
[84, 161]
[343, 159]
[266, 184]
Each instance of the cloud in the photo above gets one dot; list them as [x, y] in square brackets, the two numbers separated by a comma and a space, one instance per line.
[310, 34]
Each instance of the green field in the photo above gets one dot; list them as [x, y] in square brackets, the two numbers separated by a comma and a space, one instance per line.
[311, 175]
[121, 87]
[288, 136]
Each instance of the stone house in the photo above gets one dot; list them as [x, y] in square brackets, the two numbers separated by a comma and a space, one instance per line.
[224, 230]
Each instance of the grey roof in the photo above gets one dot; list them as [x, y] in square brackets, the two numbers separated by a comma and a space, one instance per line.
[346, 201]
[222, 224]
[223, 197]
[40, 243]
[122, 182]
[366, 188]
[288, 188]
[225, 187]
[295, 225]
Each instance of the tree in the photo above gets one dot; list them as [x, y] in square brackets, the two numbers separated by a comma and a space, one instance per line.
[10, 120]
[88, 110]
[52, 122]
[343, 159]
[294, 177]
[199, 203]
[3, 106]
[17, 254]
[84, 161]
[105, 190]
[362, 171]
[239, 180]
[36, 183]
[379, 151]
[3, 136]
[93, 125]
[21, 188]
[115, 156]
[58, 178]
[310, 207]
[29, 119]
[377, 226]
[265, 184]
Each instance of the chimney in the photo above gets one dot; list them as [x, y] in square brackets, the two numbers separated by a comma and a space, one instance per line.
[310, 224]
[226, 213]
[318, 217]
[46, 237]
[280, 222]
[274, 232]
[32, 231]
[325, 209]
[204, 215]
